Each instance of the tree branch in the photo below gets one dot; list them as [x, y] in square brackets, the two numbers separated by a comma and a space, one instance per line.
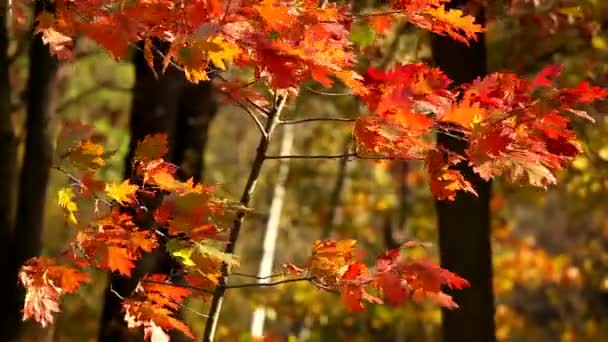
[278, 282]
[255, 276]
[319, 156]
[299, 121]
[218, 296]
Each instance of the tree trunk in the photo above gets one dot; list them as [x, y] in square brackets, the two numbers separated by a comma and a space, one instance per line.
[37, 159]
[272, 229]
[197, 108]
[153, 110]
[183, 111]
[9, 317]
[464, 224]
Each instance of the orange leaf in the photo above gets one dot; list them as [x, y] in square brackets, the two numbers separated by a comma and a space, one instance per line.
[118, 259]
[152, 147]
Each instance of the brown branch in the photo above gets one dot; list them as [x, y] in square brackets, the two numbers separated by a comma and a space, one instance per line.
[218, 296]
[255, 276]
[275, 283]
[319, 156]
[299, 121]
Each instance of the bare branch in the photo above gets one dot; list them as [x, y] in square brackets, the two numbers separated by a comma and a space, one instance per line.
[299, 121]
[320, 156]
[321, 92]
[185, 286]
[257, 277]
[252, 115]
[278, 282]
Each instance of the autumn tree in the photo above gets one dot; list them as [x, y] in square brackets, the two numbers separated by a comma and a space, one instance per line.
[163, 102]
[513, 126]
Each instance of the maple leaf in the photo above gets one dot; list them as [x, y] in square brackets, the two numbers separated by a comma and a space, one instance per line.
[65, 200]
[464, 114]
[445, 182]
[155, 302]
[87, 155]
[353, 290]
[275, 15]
[45, 282]
[152, 147]
[118, 259]
[123, 193]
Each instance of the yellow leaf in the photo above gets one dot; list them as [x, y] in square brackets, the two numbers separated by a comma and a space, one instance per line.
[65, 199]
[182, 253]
[196, 57]
[123, 192]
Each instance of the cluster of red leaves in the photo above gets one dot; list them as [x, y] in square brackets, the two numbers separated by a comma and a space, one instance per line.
[285, 42]
[130, 219]
[394, 279]
[514, 126]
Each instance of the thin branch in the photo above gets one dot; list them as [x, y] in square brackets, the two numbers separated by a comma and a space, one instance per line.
[376, 14]
[338, 156]
[257, 277]
[278, 282]
[299, 121]
[184, 286]
[320, 92]
[252, 115]
[257, 106]
[319, 156]
[218, 296]
[80, 184]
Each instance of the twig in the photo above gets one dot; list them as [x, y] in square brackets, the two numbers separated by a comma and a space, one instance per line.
[252, 115]
[278, 282]
[299, 121]
[376, 14]
[185, 286]
[256, 167]
[257, 277]
[80, 184]
[320, 92]
[318, 156]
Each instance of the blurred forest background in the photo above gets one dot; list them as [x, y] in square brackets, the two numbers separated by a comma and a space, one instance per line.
[549, 248]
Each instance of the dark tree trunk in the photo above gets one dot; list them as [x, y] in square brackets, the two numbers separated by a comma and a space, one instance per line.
[153, 110]
[164, 105]
[464, 224]
[9, 317]
[37, 159]
[197, 108]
